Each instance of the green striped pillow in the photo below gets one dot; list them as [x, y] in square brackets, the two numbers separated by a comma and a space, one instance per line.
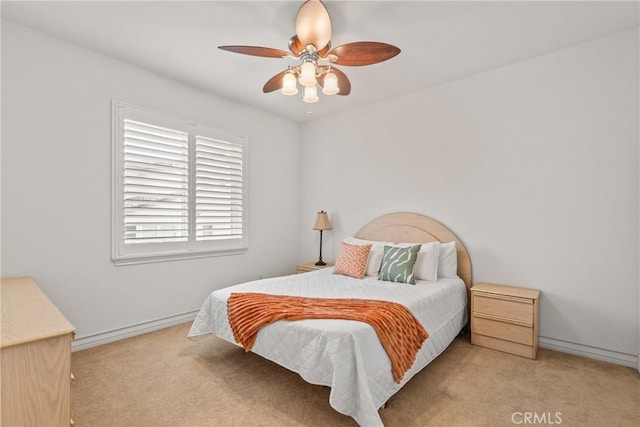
[398, 264]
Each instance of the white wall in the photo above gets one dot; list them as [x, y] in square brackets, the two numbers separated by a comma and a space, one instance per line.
[56, 177]
[534, 166]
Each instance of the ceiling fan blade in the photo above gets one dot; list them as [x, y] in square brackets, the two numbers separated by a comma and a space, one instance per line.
[274, 83]
[322, 52]
[343, 81]
[313, 24]
[295, 46]
[266, 52]
[362, 53]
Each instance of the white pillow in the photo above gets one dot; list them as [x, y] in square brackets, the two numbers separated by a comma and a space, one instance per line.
[426, 267]
[448, 261]
[375, 254]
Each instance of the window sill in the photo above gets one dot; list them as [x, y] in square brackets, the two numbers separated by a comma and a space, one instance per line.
[176, 256]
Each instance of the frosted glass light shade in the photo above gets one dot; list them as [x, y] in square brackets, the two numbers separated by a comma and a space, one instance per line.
[330, 84]
[308, 74]
[310, 94]
[289, 85]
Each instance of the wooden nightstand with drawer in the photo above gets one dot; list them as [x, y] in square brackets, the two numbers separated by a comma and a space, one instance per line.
[505, 318]
[310, 266]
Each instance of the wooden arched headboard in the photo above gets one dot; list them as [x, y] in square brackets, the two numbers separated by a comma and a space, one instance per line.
[409, 227]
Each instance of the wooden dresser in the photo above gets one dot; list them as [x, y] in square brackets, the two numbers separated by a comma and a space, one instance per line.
[35, 355]
[505, 318]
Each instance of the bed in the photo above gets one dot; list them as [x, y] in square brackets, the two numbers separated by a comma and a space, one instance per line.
[347, 355]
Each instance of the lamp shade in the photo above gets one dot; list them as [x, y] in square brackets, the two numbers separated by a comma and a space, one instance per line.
[310, 94]
[322, 222]
[289, 84]
[308, 74]
[330, 84]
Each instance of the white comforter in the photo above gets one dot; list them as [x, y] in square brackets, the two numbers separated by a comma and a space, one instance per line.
[345, 355]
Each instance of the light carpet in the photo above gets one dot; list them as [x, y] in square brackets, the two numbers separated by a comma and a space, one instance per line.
[164, 379]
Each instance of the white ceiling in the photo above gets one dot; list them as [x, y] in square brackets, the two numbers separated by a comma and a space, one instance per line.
[440, 41]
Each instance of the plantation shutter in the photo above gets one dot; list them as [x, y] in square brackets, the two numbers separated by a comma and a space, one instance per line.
[219, 189]
[179, 188]
[156, 184]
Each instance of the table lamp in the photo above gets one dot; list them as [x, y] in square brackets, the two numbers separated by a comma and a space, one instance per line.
[322, 223]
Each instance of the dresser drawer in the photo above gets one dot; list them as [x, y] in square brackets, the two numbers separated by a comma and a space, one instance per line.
[503, 330]
[506, 346]
[517, 309]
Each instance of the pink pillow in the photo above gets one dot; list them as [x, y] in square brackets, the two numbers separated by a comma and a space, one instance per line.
[352, 260]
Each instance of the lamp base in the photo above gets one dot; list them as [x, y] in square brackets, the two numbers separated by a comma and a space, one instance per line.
[321, 263]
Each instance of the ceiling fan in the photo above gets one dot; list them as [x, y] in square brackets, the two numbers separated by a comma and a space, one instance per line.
[312, 46]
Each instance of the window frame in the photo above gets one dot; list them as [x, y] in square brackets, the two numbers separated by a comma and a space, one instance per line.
[167, 251]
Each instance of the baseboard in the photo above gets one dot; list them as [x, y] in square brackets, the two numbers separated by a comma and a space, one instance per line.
[87, 341]
[618, 358]
[93, 340]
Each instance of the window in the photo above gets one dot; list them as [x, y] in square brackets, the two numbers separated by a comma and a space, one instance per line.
[179, 188]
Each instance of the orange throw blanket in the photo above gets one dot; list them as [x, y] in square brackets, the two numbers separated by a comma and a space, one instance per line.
[399, 331]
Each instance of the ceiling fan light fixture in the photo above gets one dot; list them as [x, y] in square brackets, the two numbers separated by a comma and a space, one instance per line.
[330, 83]
[312, 47]
[308, 74]
[310, 94]
[289, 85]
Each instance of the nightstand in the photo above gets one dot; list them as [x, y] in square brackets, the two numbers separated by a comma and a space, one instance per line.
[505, 318]
[310, 266]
